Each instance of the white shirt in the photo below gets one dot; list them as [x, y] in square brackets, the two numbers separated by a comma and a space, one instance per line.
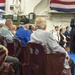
[56, 35]
[64, 39]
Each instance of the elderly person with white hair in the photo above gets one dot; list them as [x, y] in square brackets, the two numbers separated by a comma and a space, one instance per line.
[40, 35]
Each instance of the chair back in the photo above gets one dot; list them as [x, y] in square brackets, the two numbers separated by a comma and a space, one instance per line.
[8, 44]
[10, 47]
[36, 58]
[3, 41]
[17, 46]
[55, 63]
[2, 56]
[42, 63]
[6, 69]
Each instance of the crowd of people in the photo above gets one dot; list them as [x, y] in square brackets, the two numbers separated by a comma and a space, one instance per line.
[11, 31]
[65, 38]
[56, 42]
[62, 37]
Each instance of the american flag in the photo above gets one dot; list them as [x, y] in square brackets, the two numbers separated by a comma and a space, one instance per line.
[63, 5]
[2, 4]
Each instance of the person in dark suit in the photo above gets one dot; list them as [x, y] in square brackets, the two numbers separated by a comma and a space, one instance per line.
[72, 36]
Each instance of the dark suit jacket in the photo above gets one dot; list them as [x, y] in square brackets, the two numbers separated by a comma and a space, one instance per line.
[61, 40]
[72, 25]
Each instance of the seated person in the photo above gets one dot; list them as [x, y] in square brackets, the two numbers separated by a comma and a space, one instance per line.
[1, 25]
[13, 30]
[23, 34]
[5, 30]
[56, 34]
[67, 34]
[32, 28]
[63, 40]
[14, 60]
[40, 35]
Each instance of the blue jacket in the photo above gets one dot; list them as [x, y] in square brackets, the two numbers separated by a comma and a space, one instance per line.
[23, 35]
[67, 33]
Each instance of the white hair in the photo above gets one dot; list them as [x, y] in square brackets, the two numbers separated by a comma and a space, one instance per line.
[40, 23]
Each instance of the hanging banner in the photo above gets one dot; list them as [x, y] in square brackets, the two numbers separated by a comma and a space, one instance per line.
[63, 5]
[2, 4]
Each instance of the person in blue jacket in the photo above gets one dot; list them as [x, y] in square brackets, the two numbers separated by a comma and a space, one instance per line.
[67, 34]
[22, 33]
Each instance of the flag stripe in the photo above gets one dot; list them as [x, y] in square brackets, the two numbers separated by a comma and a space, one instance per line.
[63, 2]
[3, 8]
[63, 5]
[68, 0]
[2, 1]
[63, 10]
[2, 4]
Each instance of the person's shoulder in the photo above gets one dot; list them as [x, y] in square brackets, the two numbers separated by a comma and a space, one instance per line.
[54, 32]
[28, 31]
[47, 33]
[20, 29]
[4, 28]
[66, 32]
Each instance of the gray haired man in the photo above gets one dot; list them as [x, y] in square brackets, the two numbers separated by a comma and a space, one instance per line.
[40, 35]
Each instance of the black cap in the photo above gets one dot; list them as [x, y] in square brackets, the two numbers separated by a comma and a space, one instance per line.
[24, 21]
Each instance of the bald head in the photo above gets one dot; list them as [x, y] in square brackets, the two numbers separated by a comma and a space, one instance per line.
[40, 23]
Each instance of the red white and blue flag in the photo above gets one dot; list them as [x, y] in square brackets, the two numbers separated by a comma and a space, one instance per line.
[63, 5]
[2, 4]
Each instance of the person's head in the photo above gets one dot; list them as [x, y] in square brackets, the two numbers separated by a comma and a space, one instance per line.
[14, 27]
[30, 27]
[9, 23]
[27, 26]
[61, 31]
[56, 28]
[40, 23]
[1, 25]
[18, 27]
[33, 27]
[67, 28]
[26, 22]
